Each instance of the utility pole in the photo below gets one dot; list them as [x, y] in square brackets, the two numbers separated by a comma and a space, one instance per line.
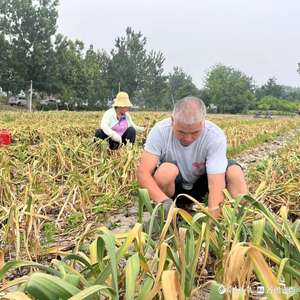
[119, 86]
[30, 97]
[172, 100]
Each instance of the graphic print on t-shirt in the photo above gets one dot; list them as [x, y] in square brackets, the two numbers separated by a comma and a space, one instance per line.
[198, 167]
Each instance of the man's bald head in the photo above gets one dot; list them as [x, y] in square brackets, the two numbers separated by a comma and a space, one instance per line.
[189, 110]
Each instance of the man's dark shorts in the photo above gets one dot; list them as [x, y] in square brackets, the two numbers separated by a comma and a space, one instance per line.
[199, 190]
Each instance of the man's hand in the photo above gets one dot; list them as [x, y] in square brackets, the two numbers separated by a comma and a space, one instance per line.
[167, 203]
[216, 185]
[215, 211]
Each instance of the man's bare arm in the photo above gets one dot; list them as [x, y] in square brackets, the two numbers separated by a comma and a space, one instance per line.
[144, 174]
[216, 185]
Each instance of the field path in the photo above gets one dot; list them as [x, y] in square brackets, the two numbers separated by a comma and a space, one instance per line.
[262, 152]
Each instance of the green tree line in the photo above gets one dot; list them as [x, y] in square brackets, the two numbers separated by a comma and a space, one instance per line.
[31, 49]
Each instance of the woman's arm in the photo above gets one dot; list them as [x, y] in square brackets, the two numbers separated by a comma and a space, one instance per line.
[104, 125]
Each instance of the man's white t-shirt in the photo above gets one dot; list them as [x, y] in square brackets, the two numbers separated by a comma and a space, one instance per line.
[207, 154]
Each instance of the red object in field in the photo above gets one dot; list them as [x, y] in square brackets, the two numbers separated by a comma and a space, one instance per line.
[5, 137]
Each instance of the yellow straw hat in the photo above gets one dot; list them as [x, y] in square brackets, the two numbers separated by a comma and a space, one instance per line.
[122, 100]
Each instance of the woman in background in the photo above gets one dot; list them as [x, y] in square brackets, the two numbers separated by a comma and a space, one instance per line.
[116, 124]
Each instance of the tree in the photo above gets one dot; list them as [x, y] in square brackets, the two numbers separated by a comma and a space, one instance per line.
[128, 64]
[271, 88]
[229, 89]
[135, 70]
[70, 80]
[28, 27]
[291, 93]
[9, 79]
[180, 85]
[272, 103]
[96, 71]
[152, 93]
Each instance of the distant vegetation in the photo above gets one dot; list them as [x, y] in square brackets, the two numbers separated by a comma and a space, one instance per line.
[88, 78]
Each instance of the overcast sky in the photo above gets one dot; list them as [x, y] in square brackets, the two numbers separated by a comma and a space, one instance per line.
[259, 37]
